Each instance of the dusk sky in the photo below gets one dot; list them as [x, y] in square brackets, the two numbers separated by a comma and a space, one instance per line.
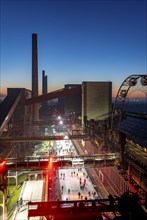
[77, 41]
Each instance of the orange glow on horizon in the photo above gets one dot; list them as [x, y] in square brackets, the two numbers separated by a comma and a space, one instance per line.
[137, 94]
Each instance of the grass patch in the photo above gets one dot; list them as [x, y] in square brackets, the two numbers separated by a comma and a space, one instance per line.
[1, 197]
[14, 191]
[14, 195]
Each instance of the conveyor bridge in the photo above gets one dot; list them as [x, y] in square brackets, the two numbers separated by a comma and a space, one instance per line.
[42, 162]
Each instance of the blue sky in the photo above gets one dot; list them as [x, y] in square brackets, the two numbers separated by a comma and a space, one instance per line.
[77, 41]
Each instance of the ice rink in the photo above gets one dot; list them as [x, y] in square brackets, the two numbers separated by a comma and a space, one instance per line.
[74, 183]
[31, 191]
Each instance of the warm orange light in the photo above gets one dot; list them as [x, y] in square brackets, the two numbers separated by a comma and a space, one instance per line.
[50, 164]
[51, 159]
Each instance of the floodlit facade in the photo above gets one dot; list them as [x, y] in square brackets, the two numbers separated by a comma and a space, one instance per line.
[96, 100]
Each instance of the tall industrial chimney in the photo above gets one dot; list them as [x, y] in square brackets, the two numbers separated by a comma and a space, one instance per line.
[44, 83]
[35, 107]
[34, 66]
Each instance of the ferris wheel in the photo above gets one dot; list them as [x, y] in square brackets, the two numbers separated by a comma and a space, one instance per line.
[132, 86]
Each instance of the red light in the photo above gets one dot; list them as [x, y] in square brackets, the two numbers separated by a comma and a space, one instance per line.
[50, 163]
[51, 159]
[2, 166]
[2, 163]
[59, 138]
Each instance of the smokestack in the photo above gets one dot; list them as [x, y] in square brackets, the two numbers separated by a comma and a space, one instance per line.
[34, 66]
[35, 106]
[44, 83]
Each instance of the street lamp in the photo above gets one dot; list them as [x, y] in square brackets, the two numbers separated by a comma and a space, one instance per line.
[61, 122]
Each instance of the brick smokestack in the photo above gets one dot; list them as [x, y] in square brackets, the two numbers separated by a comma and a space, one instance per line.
[34, 66]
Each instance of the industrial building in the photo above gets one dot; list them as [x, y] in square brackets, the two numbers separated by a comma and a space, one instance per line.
[96, 100]
[90, 106]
